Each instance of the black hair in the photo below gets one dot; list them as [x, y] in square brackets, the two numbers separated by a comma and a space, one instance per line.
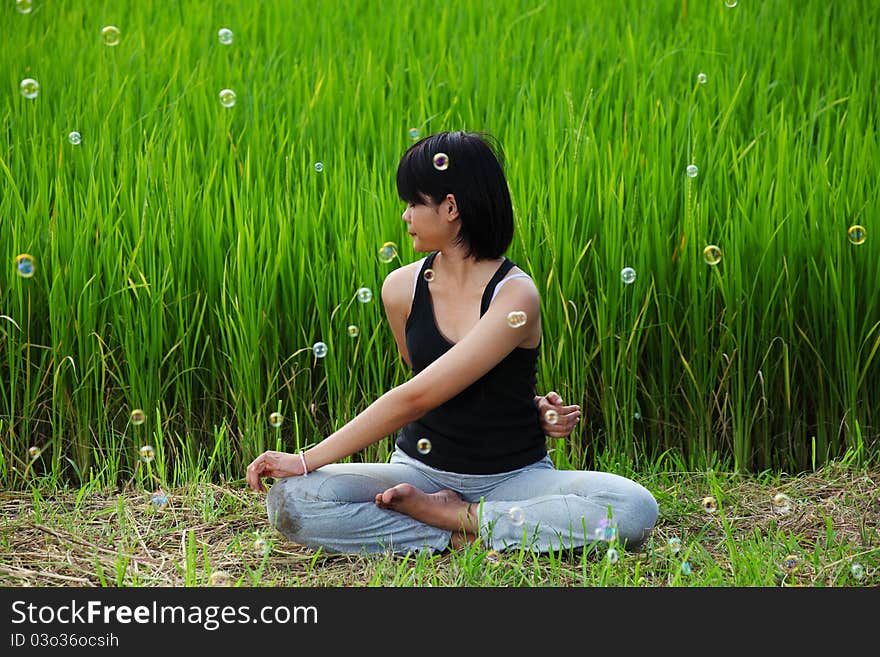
[474, 175]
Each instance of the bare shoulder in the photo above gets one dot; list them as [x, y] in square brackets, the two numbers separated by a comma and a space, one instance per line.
[397, 287]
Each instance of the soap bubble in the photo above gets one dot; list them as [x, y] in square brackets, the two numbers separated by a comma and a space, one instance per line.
[30, 88]
[319, 166]
[781, 503]
[856, 234]
[607, 530]
[686, 568]
[701, 78]
[24, 265]
[138, 416]
[224, 35]
[220, 578]
[353, 331]
[227, 97]
[712, 255]
[276, 419]
[147, 453]
[730, 4]
[517, 318]
[628, 275]
[261, 547]
[414, 133]
[24, 6]
[791, 563]
[319, 349]
[674, 544]
[709, 504]
[110, 35]
[551, 416]
[424, 446]
[692, 170]
[857, 570]
[159, 499]
[34, 452]
[517, 516]
[74, 138]
[365, 295]
[388, 252]
[493, 557]
[612, 555]
[441, 161]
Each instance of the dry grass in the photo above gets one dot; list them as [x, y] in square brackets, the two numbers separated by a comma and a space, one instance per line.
[121, 539]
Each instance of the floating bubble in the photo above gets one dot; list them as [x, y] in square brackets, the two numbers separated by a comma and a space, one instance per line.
[686, 568]
[627, 275]
[791, 563]
[730, 4]
[24, 265]
[227, 97]
[261, 546]
[353, 331]
[388, 252]
[709, 504]
[147, 453]
[712, 255]
[701, 78]
[607, 530]
[424, 446]
[365, 295]
[319, 166]
[517, 516]
[224, 35]
[441, 161]
[220, 578]
[24, 6]
[319, 349]
[637, 416]
[74, 138]
[781, 503]
[692, 171]
[674, 544]
[30, 88]
[612, 555]
[413, 133]
[493, 557]
[517, 318]
[276, 419]
[159, 499]
[138, 416]
[110, 35]
[429, 275]
[856, 234]
[551, 416]
[34, 452]
[857, 570]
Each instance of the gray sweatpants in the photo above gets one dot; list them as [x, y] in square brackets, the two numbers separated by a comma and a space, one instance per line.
[537, 507]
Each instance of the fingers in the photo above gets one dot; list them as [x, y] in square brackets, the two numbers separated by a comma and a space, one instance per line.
[255, 472]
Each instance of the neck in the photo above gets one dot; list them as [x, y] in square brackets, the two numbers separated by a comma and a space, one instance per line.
[462, 272]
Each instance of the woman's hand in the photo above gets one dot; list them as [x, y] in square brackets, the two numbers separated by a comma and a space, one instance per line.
[566, 416]
[272, 464]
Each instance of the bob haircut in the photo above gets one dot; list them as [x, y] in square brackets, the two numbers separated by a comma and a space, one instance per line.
[474, 175]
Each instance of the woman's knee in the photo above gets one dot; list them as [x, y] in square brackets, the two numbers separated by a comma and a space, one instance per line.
[284, 504]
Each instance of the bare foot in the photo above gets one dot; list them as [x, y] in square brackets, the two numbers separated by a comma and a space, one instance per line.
[443, 509]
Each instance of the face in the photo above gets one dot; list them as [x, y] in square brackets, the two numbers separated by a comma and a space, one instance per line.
[431, 226]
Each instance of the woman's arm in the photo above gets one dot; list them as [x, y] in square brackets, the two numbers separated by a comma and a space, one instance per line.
[484, 346]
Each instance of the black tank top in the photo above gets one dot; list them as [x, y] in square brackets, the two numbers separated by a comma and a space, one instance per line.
[492, 425]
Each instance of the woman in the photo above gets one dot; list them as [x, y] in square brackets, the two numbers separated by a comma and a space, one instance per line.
[470, 461]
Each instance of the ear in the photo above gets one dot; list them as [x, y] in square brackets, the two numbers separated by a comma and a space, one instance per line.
[449, 208]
